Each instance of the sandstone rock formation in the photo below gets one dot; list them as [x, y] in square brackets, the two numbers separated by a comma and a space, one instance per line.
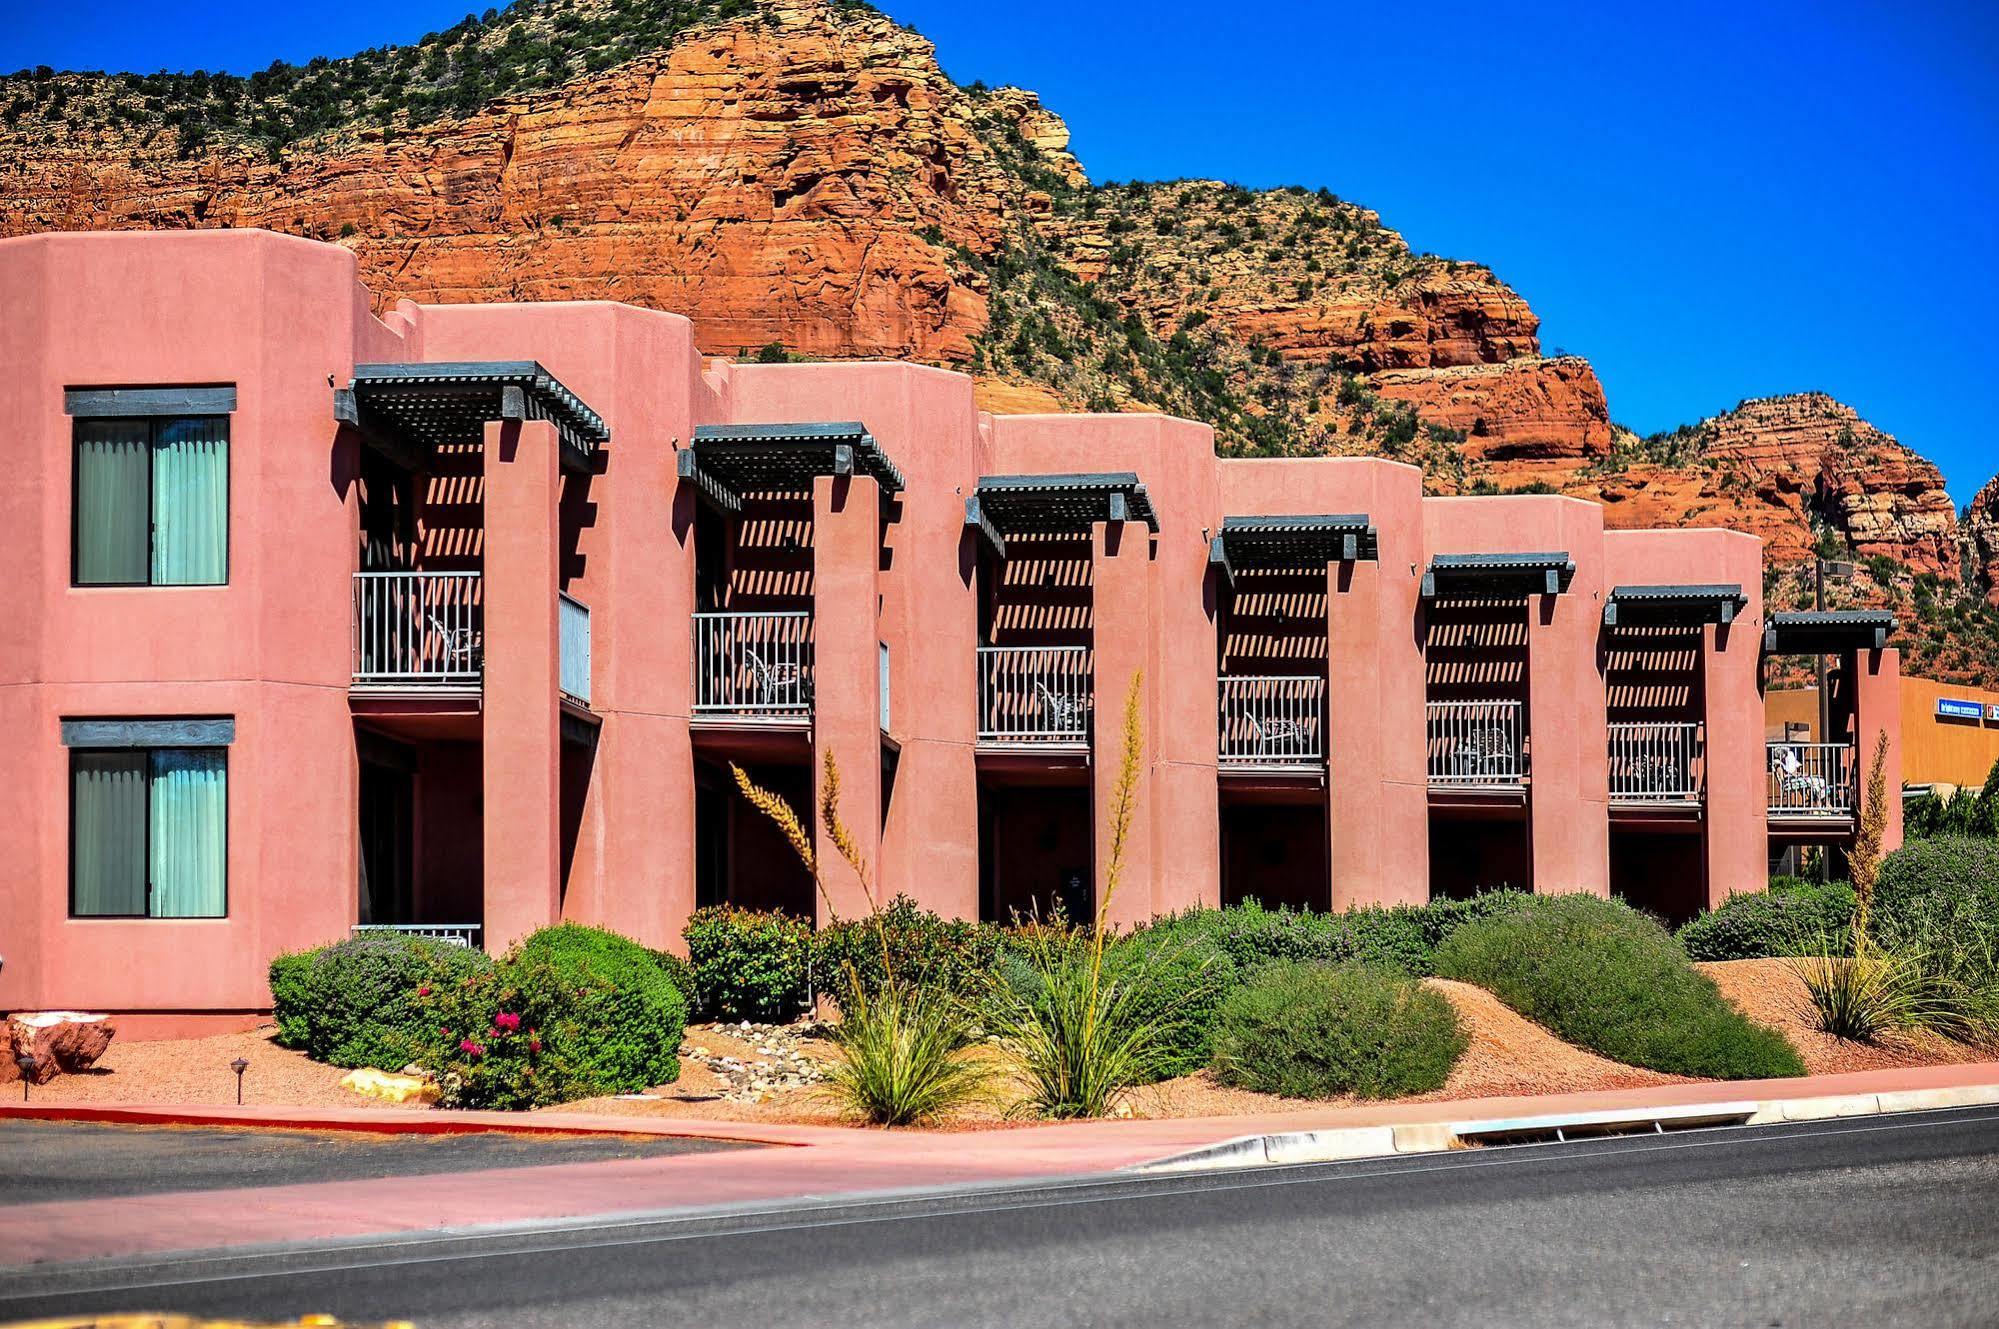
[1981, 541]
[1525, 409]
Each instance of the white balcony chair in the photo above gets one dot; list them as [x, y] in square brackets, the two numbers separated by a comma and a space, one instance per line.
[1275, 731]
[459, 649]
[778, 682]
[1486, 751]
[1063, 713]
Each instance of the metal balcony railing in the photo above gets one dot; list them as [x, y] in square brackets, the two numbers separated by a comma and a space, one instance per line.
[1655, 761]
[1811, 779]
[574, 636]
[1034, 694]
[418, 628]
[753, 666]
[1476, 743]
[458, 934]
[1273, 720]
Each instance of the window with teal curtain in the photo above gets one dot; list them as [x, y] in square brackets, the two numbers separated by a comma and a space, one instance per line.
[152, 501]
[113, 498]
[108, 833]
[149, 833]
[191, 501]
[190, 818]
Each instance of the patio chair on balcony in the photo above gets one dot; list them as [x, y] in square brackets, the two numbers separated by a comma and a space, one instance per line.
[1798, 787]
[1486, 751]
[1063, 713]
[778, 682]
[1275, 732]
[461, 650]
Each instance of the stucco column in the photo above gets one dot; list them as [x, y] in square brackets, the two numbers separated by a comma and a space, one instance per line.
[523, 744]
[1569, 742]
[1736, 817]
[846, 672]
[1377, 791]
[1877, 709]
[1121, 631]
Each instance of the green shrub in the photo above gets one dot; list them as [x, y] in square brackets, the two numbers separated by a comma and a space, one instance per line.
[1603, 975]
[1788, 919]
[1317, 1031]
[572, 1012]
[1402, 936]
[1177, 986]
[749, 964]
[357, 1002]
[948, 955]
[1932, 890]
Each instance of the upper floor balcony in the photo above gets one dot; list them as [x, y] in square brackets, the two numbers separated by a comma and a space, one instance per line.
[1657, 762]
[1272, 722]
[753, 668]
[1811, 781]
[1035, 696]
[1477, 744]
[425, 633]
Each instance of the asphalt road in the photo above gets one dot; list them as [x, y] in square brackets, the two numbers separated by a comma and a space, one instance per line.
[1870, 1222]
[44, 1160]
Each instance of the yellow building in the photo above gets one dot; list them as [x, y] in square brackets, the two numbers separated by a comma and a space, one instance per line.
[1950, 734]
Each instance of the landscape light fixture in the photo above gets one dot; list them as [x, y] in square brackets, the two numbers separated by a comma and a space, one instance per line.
[239, 1065]
[27, 1065]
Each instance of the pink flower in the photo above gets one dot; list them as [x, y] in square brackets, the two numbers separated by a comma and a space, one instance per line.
[507, 1020]
[423, 990]
[471, 1049]
[534, 1045]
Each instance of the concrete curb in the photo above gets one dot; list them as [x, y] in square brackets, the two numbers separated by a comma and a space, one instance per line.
[1338, 1146]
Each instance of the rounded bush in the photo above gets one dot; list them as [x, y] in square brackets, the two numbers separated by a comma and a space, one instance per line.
[1933, 891]
[951, 956]
[357, 1002]
[1319, 1031]
[749, 964]
[572, 1012]
[1604, 976]
[1791, 918]
[1178, 983]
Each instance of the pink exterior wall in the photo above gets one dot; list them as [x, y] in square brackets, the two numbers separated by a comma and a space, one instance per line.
[617, 847]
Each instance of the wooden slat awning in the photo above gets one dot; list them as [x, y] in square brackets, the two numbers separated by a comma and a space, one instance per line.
[1291, 542]
[727, 462]
[1827, 631]
[1679, 606]
[1005, 505]
[1497, 576]
[408, 410]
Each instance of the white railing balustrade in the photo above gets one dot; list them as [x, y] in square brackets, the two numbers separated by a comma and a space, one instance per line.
[457, 934]
[1034, 694]
[574, 636]
[1476, 743]
[418, 628]
[753, 665]
[1273, 720]
[1811, 779]
[1655, 761]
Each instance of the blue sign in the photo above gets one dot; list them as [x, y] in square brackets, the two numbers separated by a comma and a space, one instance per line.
[1950, 709]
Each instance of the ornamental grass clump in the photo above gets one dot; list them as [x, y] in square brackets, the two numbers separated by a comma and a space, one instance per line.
[1606, 977]
[905, 1054]
[1321, 1031]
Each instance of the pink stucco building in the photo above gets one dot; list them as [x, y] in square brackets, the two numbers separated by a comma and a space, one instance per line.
[456, 618]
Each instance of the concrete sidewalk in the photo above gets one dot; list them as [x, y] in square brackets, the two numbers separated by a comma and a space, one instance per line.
[805, 1162]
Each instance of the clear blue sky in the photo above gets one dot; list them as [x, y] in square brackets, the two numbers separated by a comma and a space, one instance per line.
[1711, 203]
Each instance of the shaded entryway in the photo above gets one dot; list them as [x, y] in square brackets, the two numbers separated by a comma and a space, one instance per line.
[740, 856]
[1478, 850]
[1659, 869]
[1035, 851]
[1274, 851]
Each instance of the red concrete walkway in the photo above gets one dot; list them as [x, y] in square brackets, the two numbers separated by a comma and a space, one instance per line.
[809, 1163]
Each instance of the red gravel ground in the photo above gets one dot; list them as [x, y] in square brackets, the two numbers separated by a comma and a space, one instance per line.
[1508, 1055]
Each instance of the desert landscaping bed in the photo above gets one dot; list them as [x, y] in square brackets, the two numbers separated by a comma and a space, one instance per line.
[763, 1073]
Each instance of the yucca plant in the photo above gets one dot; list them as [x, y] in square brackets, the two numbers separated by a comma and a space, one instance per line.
[1859, 991]
[1085, 1033]
[904, 1051]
